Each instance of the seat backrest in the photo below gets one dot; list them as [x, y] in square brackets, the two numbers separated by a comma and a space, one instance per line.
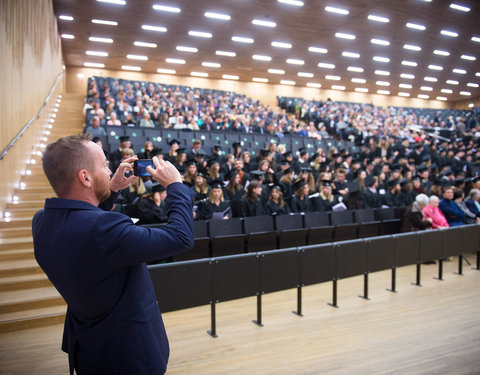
[288, 222]
[385, 213]
[200, 229]
[364, 215]
[228, 227]
[317, 219]
[258, 224]
[342, 217]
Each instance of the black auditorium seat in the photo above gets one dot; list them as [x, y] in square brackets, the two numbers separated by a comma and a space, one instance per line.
[389, 223]
[319, 228]
[291, 231]
[367, 225]
[260, 233]
[227, 237]
[345, 227]
[201, 247]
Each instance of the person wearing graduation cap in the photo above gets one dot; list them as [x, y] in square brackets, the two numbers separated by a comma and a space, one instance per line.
[275, 204]
[391, 198]
[190, 173]
[117, 155]
[200, 159]
[306, 175]
[171, 155]
[251, 203]
[237, 150]
[406, 197]
[300, 201]
[286, 183]
[371, 196]
[150, 151]
[213, 171]
[326, 199]
[215, 202]
[151, 207]
[181, 160]
[303, 161]
[260, 177]
[234, 192]
[201, 187]
[217, 154]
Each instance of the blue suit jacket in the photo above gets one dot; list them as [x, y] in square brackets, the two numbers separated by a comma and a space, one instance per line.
[96, 260]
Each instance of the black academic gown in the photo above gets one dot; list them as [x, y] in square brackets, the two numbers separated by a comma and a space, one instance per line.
[301, 205]
[251, 208]
[207, 209]
[272, 208]
[150, 213]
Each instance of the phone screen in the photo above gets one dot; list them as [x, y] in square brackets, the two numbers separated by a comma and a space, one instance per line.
[140, 167]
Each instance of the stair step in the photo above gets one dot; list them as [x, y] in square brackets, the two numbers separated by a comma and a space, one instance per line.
[20, 282]
[21, 300]
[19, 267]
[23, 212]
[28, 319]
[16, 232]
[8, 255]
[18, 243]
[16, 223]
[26, 204]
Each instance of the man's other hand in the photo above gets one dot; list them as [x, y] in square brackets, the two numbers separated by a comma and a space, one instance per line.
[165, 173]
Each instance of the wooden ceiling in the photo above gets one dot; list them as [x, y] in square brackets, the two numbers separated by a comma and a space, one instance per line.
[310, 25]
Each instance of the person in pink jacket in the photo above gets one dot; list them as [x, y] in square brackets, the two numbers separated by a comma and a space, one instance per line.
[433, 212]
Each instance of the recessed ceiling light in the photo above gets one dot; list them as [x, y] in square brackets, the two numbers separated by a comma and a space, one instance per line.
[241, 39]
[476, 39]
[383, 92]
[230, 76]
[459, 71]
[459, 7]
[382, 73]
[145, 44]
[100, 40]
[317, 49]
[264, 23]
[211, 64]
[295, 62]
[406, 94]
[314, 85]
[382, 83]
[409, 63]
[129, 67]
[305, 74]
[426, 88]
[65, 18]
[423, 96]
[359, 80]
[345, 36]
[159, 29]
[68, 36]
[218, 16]
[276, 71]
[471, 105]
[93, 65]
[441, 98]
[226, 53]
[166, 8]
[415, 26]
[373, 17]
[166, 71]
[452, 82]
[336, 87]
[412, 47]
[116, 2]
[465, 93]
[261, 58]
[187, 49]
[471, 84]
[326, 65]
[441, 52]
[336, 10]
[97, 53]
[287, 82]
[137, 57]
[361, 89]
[199, 74]
[380, 42]
[200, 34]
[430, 79]
[477, 74]
[262, 80]
[452, 34]
[352, 55]
[407, 76]
[435, 67]
[355, 69]
[333, 78]
[281, 45]
[174, 61]
[405, 86]
[381, 59]
[447, 91]
[296, 3]
[105, 22]
[468, 57]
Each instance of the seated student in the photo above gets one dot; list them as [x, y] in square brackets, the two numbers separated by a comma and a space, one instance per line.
[431, 211]
[286, 183]
[306, 175]
[275, 204]
[172, 153]
[215, 202]
[451, 210]
[325, 199]
[251, 203]
[190, 173]
[214, 171]
[181, 160]
[200, 187]
[392, 196]
[151, 207]
[300, 201]
[150, 151]
[414, 219]
[370, 195]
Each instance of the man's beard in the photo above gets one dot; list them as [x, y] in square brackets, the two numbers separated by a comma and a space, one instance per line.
[102, 191]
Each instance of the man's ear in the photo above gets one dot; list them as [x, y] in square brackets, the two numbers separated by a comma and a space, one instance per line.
[85, 178]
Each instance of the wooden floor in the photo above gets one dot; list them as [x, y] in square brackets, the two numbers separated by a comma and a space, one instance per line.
[433, 329]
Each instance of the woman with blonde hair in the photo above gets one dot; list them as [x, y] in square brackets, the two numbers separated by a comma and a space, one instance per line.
[215, 202]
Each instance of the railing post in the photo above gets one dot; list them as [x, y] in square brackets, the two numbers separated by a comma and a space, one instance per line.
[334, 292]
[299, 301]
[394, 280]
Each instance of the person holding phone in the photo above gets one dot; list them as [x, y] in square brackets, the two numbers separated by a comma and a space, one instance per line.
[97, 259]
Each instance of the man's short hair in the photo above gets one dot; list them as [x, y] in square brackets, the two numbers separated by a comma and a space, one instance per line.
[63, 159]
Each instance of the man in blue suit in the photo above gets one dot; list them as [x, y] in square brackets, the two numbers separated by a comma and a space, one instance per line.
[96, 259]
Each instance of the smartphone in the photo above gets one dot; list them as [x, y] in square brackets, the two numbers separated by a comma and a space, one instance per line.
[140, 167]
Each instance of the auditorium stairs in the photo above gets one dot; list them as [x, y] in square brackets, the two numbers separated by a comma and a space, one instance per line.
[27, 298]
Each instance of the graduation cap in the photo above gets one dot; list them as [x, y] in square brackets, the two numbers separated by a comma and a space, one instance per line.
[288, 170]
[299, 184]
[231, 174]
[124, 138]
[284, 162]
[302, 151]
[403, 181]
[305, 169]
[212, 162]
[422, 168]
[459, 181]
[337, 155]
[265, 153]
[181, 151]
[353, 187]
[236, 144]
[217, 147]
[202, 172]
[257, 175]
[448, 172]
[369, 181]
[200, 153]
[396, 168]
[287, 154]
[426, 157]
[173, 141]
[392, 183]
[216, 184]
[326, 183]
[279, 188]
[157, 187]
[416, 178]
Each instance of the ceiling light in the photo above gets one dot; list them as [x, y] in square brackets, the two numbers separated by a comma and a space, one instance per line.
[405, 86]
[241, 39]
[409, 63]
[200, 34]
[380, 42]
[264, 23]
[355, 69]
[97, 53]
[262, 80]
[477, 74]
[314, 85]
[423, 96]
[281, 45]
[353, 55]
[145, 44]
[326, 65]
[137, 57]
[404, 94]
[468, 57]
[261, 58]
[199, 74]
[175, 61]
[359, 80]
[68, 36]
[441, 98]
[93, 65]
[341, 11]
[382, 83]
[166, 8]
[452, 82]
[65, 18]
[295, 62]
[475, 39]
[100, 40]
[286, 82]
[159, 29]
[345, 36]
[447, 91]
[317, 49]
[166, 71]
[361, 89]
[459, 7]
[229, 76]
[276, 71]
[304, 74]
[452, 34]
[441, 52]
[382, 72]
[459, 71]
[335, 87]
[412, 47]
[218, 16]
[129, 67]
[430, 79]
[415, 26]
[471, 105]
[292, 2]
[407, 76]
[226, 53]
[381, 59]
[383, 92]
[116, 2]
[211, 64]
[465, 93]
[187, 49]
[105, 22]
[333, 78]
[435, 67]
[373, 17]
[471, 84]
[426, 88]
